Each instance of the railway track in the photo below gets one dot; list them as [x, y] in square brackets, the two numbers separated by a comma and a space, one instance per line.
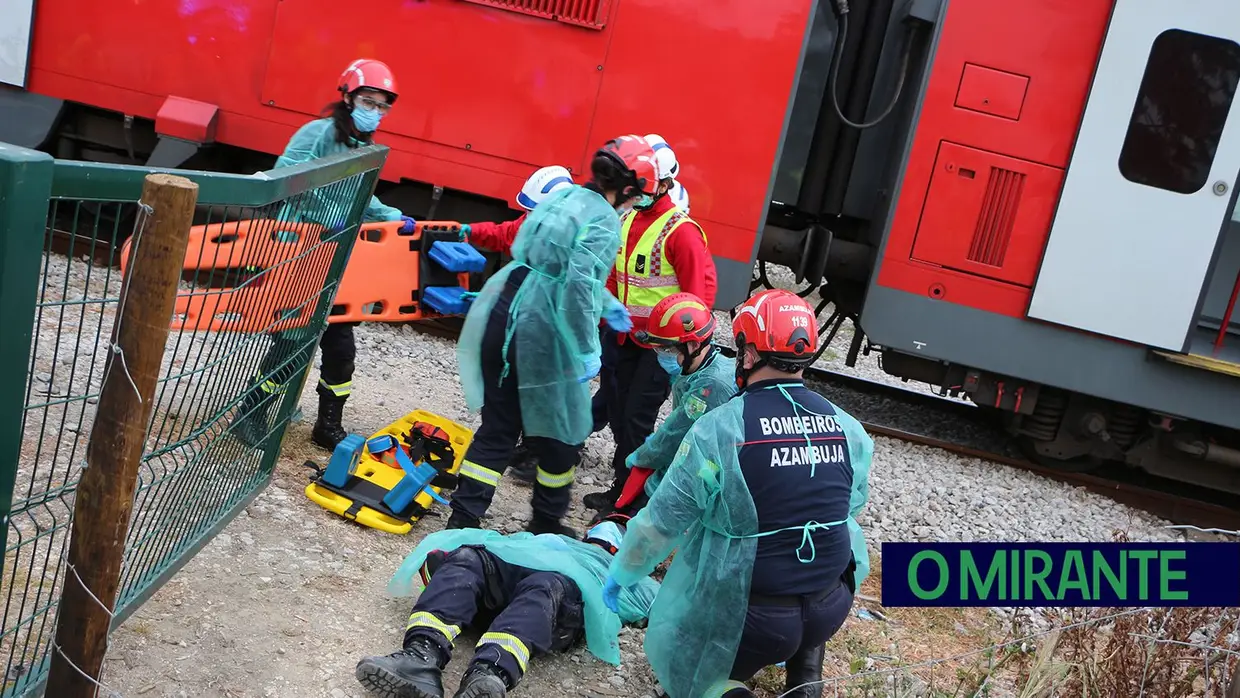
[1165, 499]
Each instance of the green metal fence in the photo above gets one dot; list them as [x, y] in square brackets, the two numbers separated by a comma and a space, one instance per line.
[224, 397]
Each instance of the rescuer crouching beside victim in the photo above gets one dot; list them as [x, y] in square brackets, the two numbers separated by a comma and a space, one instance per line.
[760, 504]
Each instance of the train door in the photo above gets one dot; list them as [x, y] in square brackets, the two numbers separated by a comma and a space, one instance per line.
[1148, 196]
[15, 33]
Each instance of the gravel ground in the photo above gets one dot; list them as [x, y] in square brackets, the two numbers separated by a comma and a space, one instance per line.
[289, 597]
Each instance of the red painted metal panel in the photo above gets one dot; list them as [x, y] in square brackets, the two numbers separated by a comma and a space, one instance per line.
[992, 91]
[493, 82]
[1056, 44]
[715, 80]
[987, 214]
[488, 95]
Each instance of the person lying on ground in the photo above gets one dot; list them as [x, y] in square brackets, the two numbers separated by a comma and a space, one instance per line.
[530, 594]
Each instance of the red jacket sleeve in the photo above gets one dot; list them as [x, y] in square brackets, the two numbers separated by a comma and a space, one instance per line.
[496, 237]
[694, 265]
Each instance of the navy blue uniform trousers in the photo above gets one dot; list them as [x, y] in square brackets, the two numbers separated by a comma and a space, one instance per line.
[490, 452]
[525, 612]
[788, 629]
[635, 386]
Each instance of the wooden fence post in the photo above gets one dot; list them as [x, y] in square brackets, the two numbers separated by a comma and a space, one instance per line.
[104, 498]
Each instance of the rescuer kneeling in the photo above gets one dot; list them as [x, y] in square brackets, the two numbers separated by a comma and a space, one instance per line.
[760, 505]
[543, 592]
[680, 329]
[368, 91]
[530, 343]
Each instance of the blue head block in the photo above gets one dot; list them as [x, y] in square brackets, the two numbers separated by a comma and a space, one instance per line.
[344, 460]
[417, 475]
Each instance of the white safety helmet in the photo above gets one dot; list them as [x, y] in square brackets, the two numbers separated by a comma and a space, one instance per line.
[541, 184]
[680, 196]
[669, 167]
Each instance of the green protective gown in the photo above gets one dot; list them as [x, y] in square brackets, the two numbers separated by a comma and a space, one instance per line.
[584, 563]
[326, 206]
[313, 141]
[693, 395]
[704, 511]
[569, 243]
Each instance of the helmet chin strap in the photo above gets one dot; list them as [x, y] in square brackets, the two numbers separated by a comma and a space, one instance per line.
[743, 374]
[687, 357]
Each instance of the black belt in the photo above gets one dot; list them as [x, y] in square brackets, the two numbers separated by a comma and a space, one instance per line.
[791, 600]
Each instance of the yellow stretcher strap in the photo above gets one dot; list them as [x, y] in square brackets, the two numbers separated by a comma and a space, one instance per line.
[547, 479]
[338, 389]
[422, 619]
[510, 644]
[486, 476]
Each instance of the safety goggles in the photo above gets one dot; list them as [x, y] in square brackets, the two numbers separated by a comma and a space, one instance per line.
[372, 104]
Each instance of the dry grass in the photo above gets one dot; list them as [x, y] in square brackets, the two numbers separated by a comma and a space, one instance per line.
[1088, 653]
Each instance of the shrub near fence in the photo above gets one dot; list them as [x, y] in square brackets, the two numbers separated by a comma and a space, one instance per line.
[57, 312]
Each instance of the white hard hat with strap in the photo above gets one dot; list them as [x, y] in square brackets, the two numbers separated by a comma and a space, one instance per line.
[669, 167]
[541, 184]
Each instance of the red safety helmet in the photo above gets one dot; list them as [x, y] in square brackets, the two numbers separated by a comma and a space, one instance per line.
[635, 155]
[370, 74]
[780, 325]
[678, 319]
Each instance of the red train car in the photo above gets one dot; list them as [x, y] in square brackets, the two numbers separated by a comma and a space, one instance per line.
[1062, 245]
[490, 89]
[1028, 202]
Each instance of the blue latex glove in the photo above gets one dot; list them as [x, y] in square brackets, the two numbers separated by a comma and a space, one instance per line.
[631, 462]
[617, 317]
[408, 226]
[611, 594]
[593, 364]
[465, 229]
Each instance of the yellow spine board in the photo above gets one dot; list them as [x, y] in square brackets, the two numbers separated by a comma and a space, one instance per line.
[375, 471]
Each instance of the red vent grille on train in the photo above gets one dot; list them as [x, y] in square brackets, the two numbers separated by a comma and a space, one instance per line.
[997, 218]
[582, 13]
[987, 214]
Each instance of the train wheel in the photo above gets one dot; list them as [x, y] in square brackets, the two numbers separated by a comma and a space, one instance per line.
[1033, 450]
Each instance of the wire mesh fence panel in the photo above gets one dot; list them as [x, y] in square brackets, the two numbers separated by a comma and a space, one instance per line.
[264, 260]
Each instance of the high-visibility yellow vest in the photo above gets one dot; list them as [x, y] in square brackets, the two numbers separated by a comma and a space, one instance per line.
[642, 278]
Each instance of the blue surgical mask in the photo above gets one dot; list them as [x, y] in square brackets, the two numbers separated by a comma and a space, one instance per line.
[643, 202]
[366, 120]
[669, 363]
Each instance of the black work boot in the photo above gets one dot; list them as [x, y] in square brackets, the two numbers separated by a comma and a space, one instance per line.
[522, 466]
[414, 672]
[250, 425]
[328, 432]
[604, 501]
[460, 519]
[482, 680]
[805, 667]
[543, 524]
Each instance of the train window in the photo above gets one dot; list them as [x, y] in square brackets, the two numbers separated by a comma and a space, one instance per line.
[1181, 108]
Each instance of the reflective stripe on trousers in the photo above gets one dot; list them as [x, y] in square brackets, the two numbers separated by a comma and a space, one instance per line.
[510, 644]
[486, 476]
[337, 389]
[422, 619]
[547, 479]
